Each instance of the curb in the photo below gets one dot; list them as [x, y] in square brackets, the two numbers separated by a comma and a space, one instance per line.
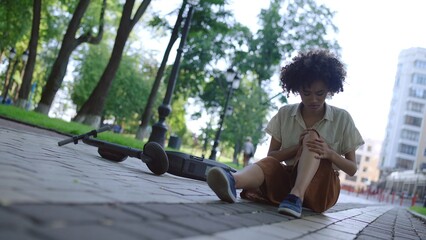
[422, 217]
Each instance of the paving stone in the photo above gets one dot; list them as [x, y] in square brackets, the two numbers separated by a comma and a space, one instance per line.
[265, 217]
[178, 230]
[378, 235]
[144, 230]
[173, 210]
[244, 233]
[411, 235]
[7, 234]
[139, 211]
[206, 226]
[277, 231]
[334, 234]
[54, 213]
[363, 236]
[10, 220]
[213, 209]
[85, 232]
[111, 212]
[373, 228]
[233, 221]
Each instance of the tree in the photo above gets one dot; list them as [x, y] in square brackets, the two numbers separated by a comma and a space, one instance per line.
[90, 112]
[32, 49]
[69, 43]
[128, 91]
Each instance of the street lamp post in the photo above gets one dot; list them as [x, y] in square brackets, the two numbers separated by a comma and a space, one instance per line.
[234, 82]
[159, 129]
[12, 55]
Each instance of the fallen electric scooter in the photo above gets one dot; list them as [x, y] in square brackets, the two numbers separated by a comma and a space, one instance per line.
[153, 154]
[157, 160]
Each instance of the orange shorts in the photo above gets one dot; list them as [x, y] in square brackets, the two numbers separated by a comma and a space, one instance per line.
[321, 194]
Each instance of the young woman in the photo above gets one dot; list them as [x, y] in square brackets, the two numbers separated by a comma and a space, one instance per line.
[310, 142]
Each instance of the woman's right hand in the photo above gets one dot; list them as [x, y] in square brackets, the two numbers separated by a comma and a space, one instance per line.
[302, 135]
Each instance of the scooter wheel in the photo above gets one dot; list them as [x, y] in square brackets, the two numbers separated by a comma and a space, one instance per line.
[111, 155]
[159, 162]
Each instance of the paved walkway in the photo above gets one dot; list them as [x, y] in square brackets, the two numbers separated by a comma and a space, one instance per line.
[69, 192]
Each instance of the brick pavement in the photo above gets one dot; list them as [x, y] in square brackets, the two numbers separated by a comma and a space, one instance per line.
[69, 192]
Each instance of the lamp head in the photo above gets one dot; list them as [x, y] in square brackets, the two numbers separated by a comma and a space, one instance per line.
[230, 75]
[12, 53]
[236, 82]
[25, 56]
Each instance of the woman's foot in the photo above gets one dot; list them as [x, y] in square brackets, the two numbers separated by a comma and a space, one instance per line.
[222, 183]
[291, 205]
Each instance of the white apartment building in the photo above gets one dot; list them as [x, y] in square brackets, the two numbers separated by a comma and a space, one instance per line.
[404, 146]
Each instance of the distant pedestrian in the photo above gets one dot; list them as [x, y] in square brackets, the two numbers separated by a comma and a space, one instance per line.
[314, 140]
[248, 151]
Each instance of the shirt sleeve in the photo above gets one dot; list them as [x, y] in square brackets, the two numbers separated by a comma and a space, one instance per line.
[352, 137]
[274, 127]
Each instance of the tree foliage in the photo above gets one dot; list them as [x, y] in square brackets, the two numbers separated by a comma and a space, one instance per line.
[129, 90]
[14, 22]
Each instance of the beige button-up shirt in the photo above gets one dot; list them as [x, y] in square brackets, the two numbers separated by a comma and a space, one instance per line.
[336, 127]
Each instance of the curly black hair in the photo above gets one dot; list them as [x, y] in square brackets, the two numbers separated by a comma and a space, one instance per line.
[312, 66]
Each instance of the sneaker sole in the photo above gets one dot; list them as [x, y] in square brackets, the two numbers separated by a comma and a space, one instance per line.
[219, 183]
[289, 212]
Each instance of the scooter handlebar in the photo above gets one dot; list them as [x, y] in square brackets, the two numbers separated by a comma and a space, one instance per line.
[91, 133]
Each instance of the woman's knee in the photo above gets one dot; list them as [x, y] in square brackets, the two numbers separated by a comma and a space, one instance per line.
[249, 177]
[311, 135]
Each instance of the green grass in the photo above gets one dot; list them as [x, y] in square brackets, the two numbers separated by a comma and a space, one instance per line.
[73, 128]
[418, 209]
[62, 126]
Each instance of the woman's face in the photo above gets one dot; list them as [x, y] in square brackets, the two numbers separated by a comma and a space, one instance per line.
[313, 96]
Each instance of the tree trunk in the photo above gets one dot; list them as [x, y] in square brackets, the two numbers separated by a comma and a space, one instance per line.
[69, 43]
[24, 91]
[95, 104]
[146, 115]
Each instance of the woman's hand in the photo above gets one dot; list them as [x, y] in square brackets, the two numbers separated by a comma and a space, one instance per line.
[306, 131]
[320, 147]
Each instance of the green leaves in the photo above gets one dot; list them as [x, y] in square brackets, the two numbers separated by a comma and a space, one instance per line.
[129, 90]
[15, 22]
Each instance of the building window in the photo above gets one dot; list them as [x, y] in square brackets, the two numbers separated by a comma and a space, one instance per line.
[410, 135]
[367, 159]
[407, 149]
[414, 121]
[364, 169]
[424, 153]
[404, 163]
[364, 180]
[417, 93]
[420, 64]
[369, 148]
[415, 106]
[358, 159]
[350, 178]
[419, 79]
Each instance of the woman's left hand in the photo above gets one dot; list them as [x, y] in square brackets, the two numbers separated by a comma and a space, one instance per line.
[320, 147]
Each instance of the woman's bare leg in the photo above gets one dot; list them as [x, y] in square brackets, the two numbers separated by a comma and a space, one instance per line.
[308, 166]
[249, 177]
